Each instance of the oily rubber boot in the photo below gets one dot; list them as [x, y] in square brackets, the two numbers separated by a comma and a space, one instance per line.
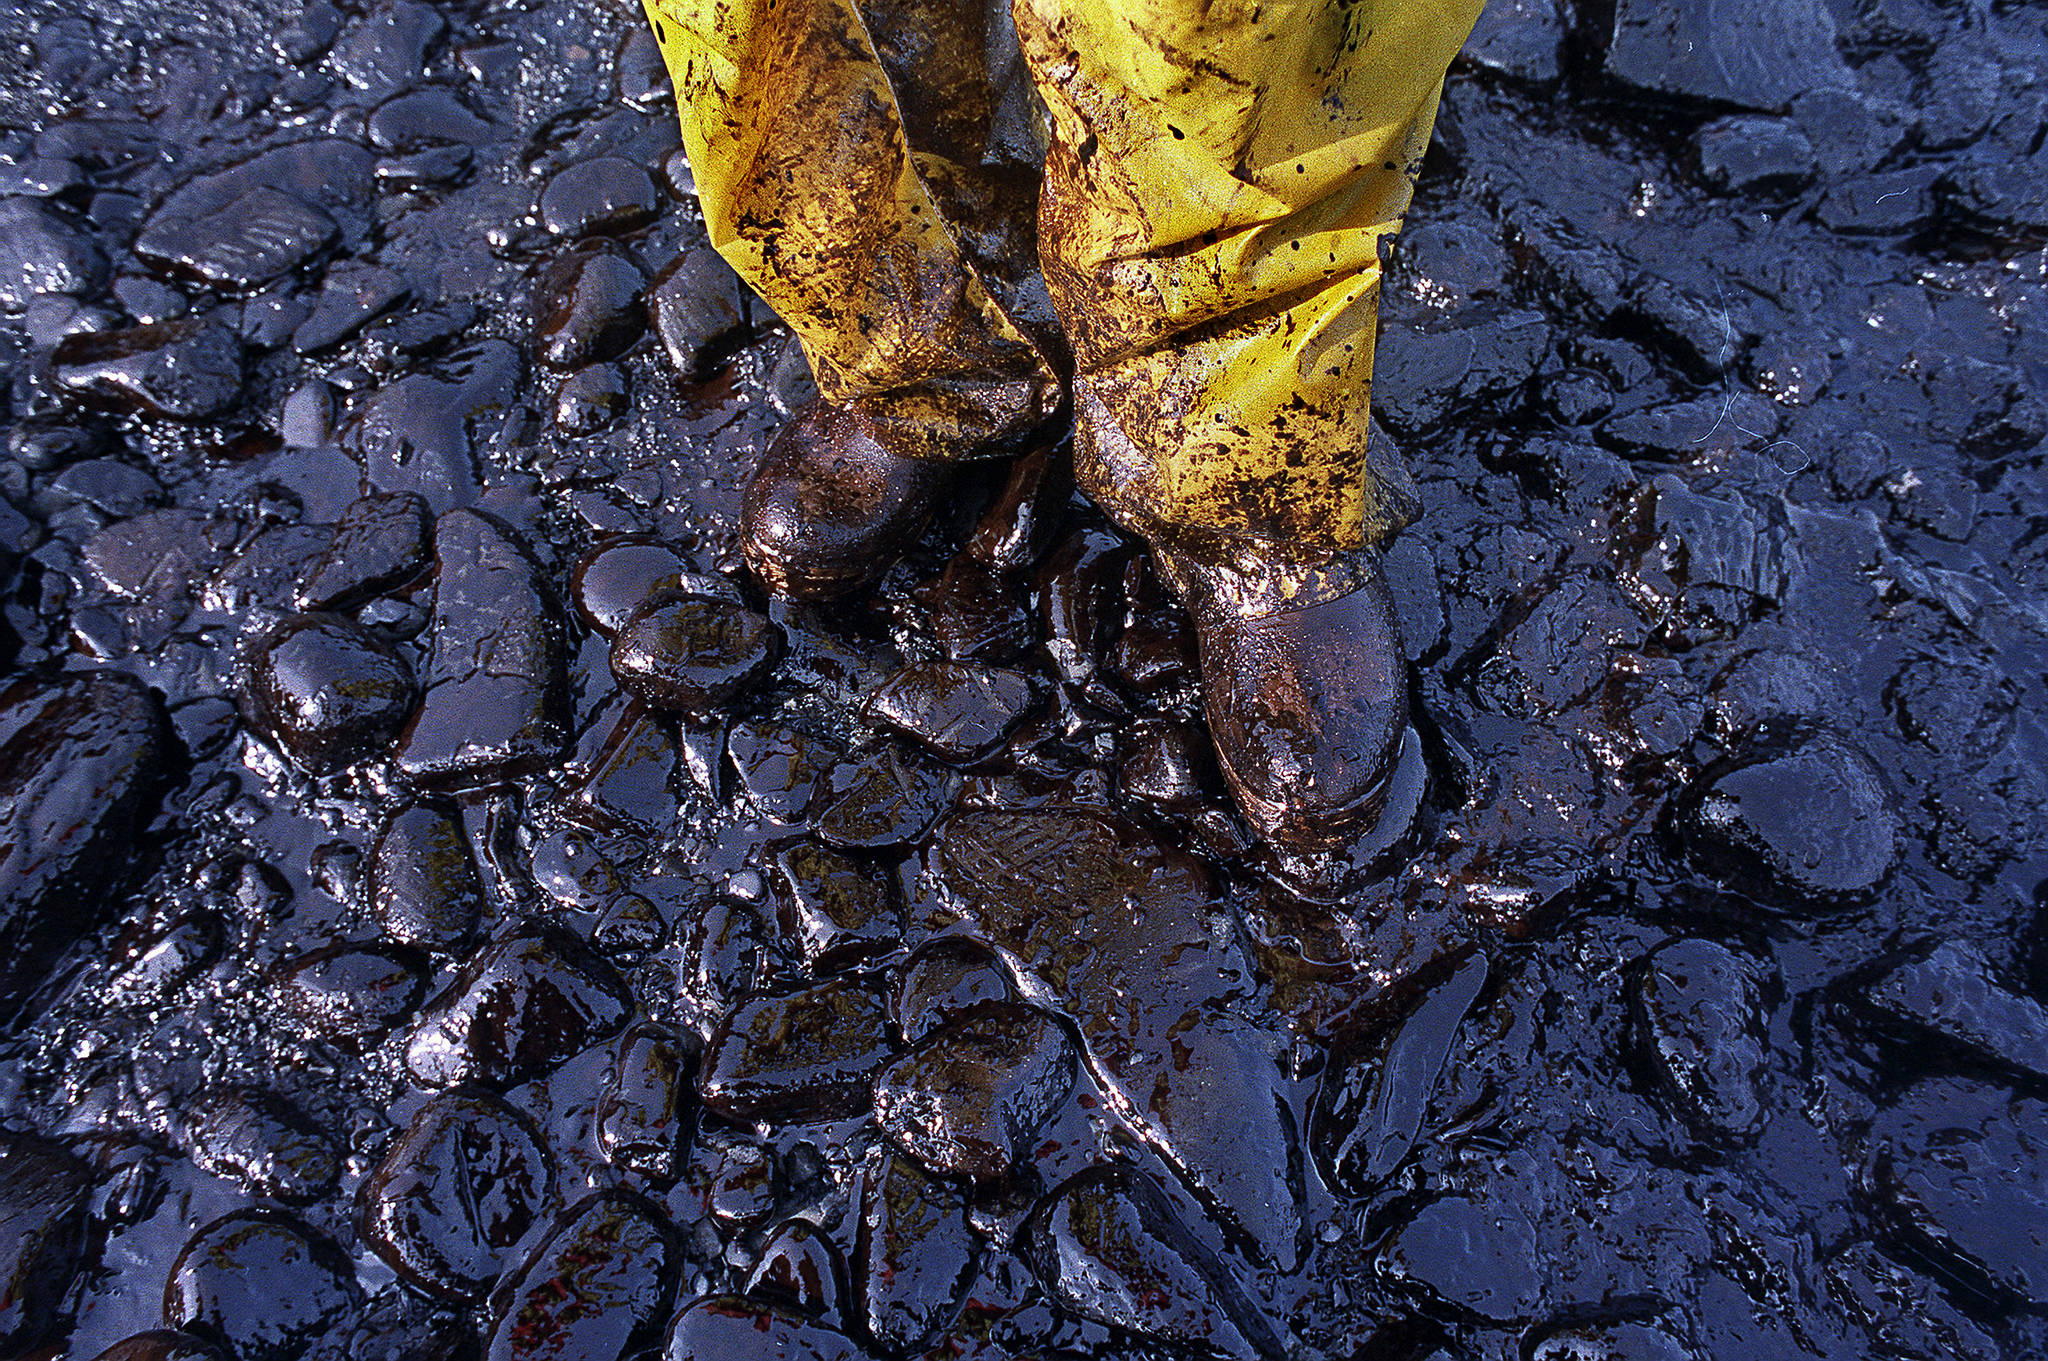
[831, 508]
[1306, 689]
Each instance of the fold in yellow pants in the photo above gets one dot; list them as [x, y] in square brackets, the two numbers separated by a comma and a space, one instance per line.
[1216, 182]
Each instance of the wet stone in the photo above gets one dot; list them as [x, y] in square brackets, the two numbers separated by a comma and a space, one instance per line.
[833, 909]
[630, 784]
[781, 770]
[380, 542]
[41, 253]
[1519, 38]
[968, 1100]
[425, 118]
[1952, 991]
[327, 691]
[161, 1344]
[955, 711]
[630, 929]
[735, 1328]
[1108, 1245]
[518, 1009]
[588, 308]
[80, 767]
[1165, 766]
[389, 48]
[734, 1179]
[349, 299]
[456, 1193]
[167, 959]
[976, 615]
[496, 690]
[617, 578]
[1700, 1010]
[694, 653]
[184, 370]
[801, 1267]
[1960, 1170]
[254, 1138]
[696, 307]
[1749, 155]
[263, 1285]
[1814, 822]
[944, 980]
[600, 197]
[424, 889]
[417, 434]
[646, 1099]
[722, 958]
[569, 868]
[1696, 50]
[884, 800]
[260, 236]
[1477, 1258]
[590, 399]
[601, 1285]
[354, 995]
[42, 1234]
[804, 1056]
[913, 1255]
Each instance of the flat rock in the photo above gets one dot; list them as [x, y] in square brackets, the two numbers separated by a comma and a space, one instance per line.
[955, 711]
[263, 1284]
[601, 1285]
[379, 542]
[1099, 921]
[913, 1255]
[456, 1193]
[1952, 991]
[1108, 1245]
[602, 196]
[518, 1009]
[496, 690]
[424, 888]
[1809, 826]
[327, 691]
[1700, 1009]
[260, 235]
[588, 307]
[80, 767]
[355, 994]
[735, 1328]
[418, 434]
[694, 653]
[253, 1137]
[1726, 53]
[968, 1100]
[696, 306]
[647, 1097]
[41, 252]
[42, 1234]
[803, 1056]
[835, 910]
[184, 370]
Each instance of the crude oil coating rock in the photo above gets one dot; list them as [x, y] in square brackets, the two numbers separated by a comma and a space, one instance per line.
[805, 1056]
[590, 399]
[802, 1267]
[956, 712]
[1478, 1258]
[601, 1285]
[379, 542]
[977, 615]
[1814, 823]
[695, 653]
[969, 1098]
[456, 1192]
[259, 236]
[588, 305]
[327, 691]
[354, 994]
[161, 1344]
[1953, 991]
[913, 1255]
[348, 300]
[518, 1009]
[1701, 1011]
[1107, 1245]
[253, 1137]
[80, 766]
[943, 980]
[42, 253]
[262, 1284]
[780, 769]
[424, 889]
[615, 579]
[1092, 914]
[631, 780]
[184, 370]
[696, 306]
[834, 909]
[42, 1233]
[606, 195]
[733, 1179]
[646, 1098]
[734, 1328]
[496, 689]
[415, 435]
[883, 800]
[1961, 1170]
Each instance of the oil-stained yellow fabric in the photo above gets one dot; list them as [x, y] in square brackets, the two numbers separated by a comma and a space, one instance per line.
[1220, 178]
[1218, 181]
[862, 241]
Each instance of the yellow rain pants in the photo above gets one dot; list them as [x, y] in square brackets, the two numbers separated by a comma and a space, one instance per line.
[1216, 180]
